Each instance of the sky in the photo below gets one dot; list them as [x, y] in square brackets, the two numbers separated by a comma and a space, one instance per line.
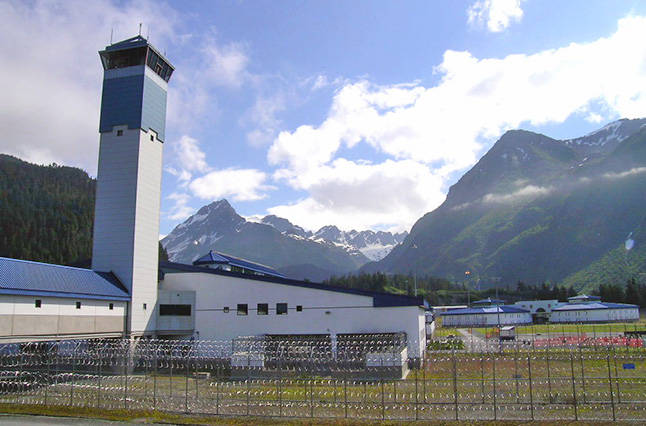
[359, 114]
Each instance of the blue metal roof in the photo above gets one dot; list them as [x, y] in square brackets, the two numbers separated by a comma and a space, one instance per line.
[213, 257]
[506, 309]
[379, 299]
[22, 277]
[593, 306]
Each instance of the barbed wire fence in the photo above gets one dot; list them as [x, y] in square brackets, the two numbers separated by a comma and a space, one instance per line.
[357, 376]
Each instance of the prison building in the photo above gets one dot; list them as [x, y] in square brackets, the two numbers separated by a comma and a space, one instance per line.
[126, 294]
[39, 301]
[485, 316]
[590, 309]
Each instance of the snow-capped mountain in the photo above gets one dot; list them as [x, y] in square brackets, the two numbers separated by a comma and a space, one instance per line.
[276, 242]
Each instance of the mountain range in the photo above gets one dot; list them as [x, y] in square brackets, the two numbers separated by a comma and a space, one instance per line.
[538, 209]
[276, 242]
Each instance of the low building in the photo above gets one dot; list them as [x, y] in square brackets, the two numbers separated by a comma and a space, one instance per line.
[585, 308]
[40, 301]
[485, 316]
[541, 310]
[217, 304]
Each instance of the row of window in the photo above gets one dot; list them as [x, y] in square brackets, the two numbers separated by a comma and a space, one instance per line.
[263, 309]
[38, 303]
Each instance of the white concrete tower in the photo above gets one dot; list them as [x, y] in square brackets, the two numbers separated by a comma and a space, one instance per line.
[126, 217]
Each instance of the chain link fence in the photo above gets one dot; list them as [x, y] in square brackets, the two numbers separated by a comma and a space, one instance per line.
[355, 376]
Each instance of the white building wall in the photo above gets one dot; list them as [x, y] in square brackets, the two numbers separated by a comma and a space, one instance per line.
[492, 319]
[324, 312]
[596, 315]
[58, 317]
[126, 224]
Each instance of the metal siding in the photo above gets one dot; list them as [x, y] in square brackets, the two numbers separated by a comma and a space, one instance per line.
[121, 102]
[17, 276]
[153, 113]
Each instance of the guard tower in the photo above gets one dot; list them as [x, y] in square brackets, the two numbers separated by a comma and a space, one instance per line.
[126, 217]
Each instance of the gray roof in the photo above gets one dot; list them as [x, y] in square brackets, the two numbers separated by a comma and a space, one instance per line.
[22, 277]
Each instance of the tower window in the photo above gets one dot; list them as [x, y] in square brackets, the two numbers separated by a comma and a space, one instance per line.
[281, 308]
[111, 306]
[38, 303]
[152, 137]
[145, 306]
[225, 310]
[242, 309]
[78, 305]
[263, 308]
[119, 132]
[299, 308]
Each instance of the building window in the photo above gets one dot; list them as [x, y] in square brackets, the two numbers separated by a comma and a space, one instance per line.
[152, 137]
[175, 310]
[78, 305]
[263, 308]
[119, 132]
[145, 306]
[281, 308]
[225, 310]
[111, 306]
[242, 309]
[299, 308]
[38, 303]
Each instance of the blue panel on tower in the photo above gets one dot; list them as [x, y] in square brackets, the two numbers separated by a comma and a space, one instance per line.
[136, 101]
[154, 108]
[121, 102]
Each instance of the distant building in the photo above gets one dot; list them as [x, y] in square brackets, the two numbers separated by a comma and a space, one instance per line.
[540, 310]
[585, 308]
[486, 312]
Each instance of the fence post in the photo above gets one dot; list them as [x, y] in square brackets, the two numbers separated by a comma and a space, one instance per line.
[612, 398]
[416, 395]
[311, 397]
[455, 386]
[549, 381]
[495, 408]
[49, 376]
[576, 413]
[98, 394]
[582, 374]
[156, 361]
[345, 396]
[187, 362]
[482, 381]
[72, 376]
[217, 396]
[531, 392]
[614, 357]
[126, 356]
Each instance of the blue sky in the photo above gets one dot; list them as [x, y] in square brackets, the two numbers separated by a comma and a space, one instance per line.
[359, 114]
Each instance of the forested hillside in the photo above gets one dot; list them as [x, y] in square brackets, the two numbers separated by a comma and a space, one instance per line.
[46, 212]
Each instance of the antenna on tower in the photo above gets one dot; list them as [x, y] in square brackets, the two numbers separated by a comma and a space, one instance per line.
[111, 34]
[140, 28]
[148, 33]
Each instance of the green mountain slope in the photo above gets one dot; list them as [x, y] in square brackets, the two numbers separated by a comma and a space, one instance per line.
[535, 209]
[46, 212]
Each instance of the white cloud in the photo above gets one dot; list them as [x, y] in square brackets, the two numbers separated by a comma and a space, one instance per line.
[225, 64]
[262, 116]
[238, 184]
[361, 195]
[497, 15]
[631, 172]
[180, 210]
[189, 155]
[50, 78]
[446, 127]
[525, 193]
